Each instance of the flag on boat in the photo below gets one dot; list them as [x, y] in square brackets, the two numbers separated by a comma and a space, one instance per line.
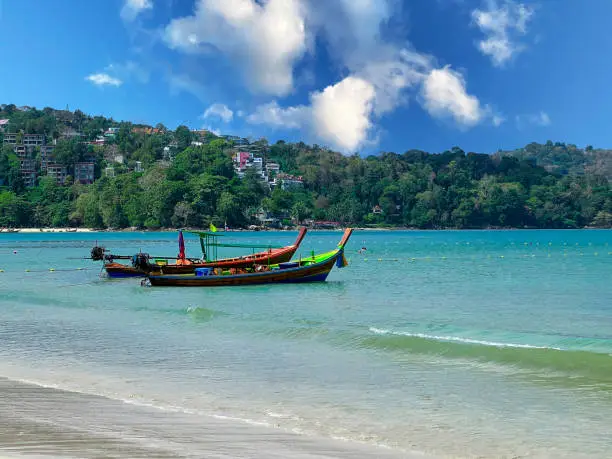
[181, 243]
[213, 228]
[341, 260]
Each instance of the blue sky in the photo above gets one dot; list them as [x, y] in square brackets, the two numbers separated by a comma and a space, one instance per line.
[354, 75]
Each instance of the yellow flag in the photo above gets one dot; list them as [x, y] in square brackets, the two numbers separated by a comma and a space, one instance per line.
[213, 228]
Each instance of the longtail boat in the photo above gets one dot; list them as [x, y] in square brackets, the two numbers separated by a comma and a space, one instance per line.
[311, 269]
[143, 264]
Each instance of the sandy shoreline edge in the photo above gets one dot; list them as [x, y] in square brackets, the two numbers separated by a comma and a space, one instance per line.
[39, 421]
[166, 230]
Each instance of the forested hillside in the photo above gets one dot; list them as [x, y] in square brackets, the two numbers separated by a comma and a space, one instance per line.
[189, 178]
[566, 159]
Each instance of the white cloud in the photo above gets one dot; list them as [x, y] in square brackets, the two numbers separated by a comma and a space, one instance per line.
[128, 69]
[352, 28]
[265, 40]
[271, 114]
[353, 31]
[338, 116]
[540, 119]
[118, 73]
[502, 24]
[221, 111]
[103, 79]
[132, 8]
[341, 113]
[393, 74]
[444, 95]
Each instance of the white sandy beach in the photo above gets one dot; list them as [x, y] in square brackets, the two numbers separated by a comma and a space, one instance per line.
[47, 422]
[55, 230]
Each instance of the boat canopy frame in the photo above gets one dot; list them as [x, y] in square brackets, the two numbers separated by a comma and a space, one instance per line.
[209, 243]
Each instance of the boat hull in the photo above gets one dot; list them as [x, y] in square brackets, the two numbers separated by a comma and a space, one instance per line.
[119, 271]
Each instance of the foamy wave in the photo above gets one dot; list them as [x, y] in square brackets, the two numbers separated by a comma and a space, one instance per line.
[457, 339]
[135, 400]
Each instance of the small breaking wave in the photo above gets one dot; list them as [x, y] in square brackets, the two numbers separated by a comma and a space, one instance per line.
[457, 339]
[578, 363]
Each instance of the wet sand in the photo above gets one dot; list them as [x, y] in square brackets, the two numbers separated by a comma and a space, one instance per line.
[37, 421]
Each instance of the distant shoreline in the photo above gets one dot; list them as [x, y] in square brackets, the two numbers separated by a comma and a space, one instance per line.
[240, 230]
[47, 230]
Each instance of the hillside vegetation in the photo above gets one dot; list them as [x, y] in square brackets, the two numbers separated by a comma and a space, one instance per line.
[177, 183]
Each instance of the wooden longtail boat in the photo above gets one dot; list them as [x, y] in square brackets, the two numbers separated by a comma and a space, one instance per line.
[142, 265]
[312, 269]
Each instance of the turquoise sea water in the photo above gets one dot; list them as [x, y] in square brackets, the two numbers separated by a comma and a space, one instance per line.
[458, 343]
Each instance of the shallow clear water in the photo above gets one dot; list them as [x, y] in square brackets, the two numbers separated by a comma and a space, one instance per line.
[483, 343]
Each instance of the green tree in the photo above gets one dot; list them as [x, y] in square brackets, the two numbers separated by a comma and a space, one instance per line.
[229, 209]
[300, 211]
[184, 215]
[183, 137]
[10, 175]
[69, 151]
[13, 210]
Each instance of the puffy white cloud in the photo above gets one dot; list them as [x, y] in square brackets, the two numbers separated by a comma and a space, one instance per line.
[132, 8]
[444, 95]
[271, 114]
[264, 39]
[540, 119]
[221, 111]
[103, 79]
[502, 23]
[353, 31]
[392, 75]
[339, 116]
[341, 113]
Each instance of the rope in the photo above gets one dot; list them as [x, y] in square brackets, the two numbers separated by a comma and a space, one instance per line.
[491, 257]
[48, 270]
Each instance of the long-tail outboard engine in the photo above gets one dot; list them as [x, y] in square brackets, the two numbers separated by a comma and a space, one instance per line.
[141, 261]
[97, 253]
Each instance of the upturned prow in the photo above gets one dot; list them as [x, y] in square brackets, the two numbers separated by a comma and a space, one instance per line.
[301, 235]
[345, 238]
